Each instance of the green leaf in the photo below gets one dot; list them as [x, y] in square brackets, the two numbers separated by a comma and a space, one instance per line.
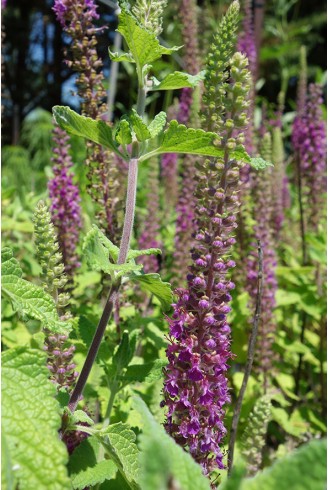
[147, 373]
[119, 442]
[143, 44]
[97, 249]
[293, 425]
[139, 127]
[161, 458]
[133, 254]
[259, 164]
[178, 80]
[121, 56]
[157, 124]
[235, 479]
[84, 468]
[124, 353]
[303, 469]
[7, 471]
[179, 139]
[123, 134]
[31, 421]
[80, 416]
[97, 131]
[10, 265]
[154, 284]
[26, 298]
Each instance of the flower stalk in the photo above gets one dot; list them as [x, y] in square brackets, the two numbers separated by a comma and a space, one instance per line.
[123, 253]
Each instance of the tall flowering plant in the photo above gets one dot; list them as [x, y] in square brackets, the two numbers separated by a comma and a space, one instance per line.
[77, 20]
[195, 388]
[264, 232]
[309, 142]
[65, 198]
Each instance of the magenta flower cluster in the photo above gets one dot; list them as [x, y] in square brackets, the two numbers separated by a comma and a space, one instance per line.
[62, 7]
[195, 388]
[65, 209]
[59, 361]
[309, 142]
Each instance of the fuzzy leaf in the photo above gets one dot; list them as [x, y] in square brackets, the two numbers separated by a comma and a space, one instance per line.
[9, 265]
[161, 458]
[178, 80]
[154, 285]
[97, 131]
[147, 373]
[303, 469]
[133, 254]
[119, 442]
[31, 422]
[26, 298]
[139, 127]
[180, 139]
[97, 250]
[123, 134]
[80, 416]
[84, 468]
[143, 44]
[259, 164]
[157, 124]
[121, 56]
[7, 471]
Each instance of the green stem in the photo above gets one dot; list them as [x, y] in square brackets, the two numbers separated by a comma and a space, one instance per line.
[113, 393]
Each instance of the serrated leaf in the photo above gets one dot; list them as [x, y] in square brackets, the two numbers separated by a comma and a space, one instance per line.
[177, 80]
[139, 127]
[97, 249]
[84, 468]
[31, 422]
[171, 460]
[179, 139]
[303, 469]
[259, 163]
[80, 416]
[133, 254]
[121, 56]
[146, 373]
[154, 285]
[9, 265]
[157, 124]
[97, 131]
[143, 44]
[119, 442]
[26, 298]
[123, 134]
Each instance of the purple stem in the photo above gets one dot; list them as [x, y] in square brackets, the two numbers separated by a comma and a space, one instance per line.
[113, 293]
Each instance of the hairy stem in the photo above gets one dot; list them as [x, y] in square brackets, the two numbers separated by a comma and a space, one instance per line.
[123, 253]
[129, 210]
[249, 363]
[94, 347]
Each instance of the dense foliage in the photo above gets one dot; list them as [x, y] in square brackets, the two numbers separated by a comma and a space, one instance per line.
[163, 255]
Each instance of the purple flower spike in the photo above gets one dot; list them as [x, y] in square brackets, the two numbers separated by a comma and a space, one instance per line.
[309, 142]
[65, 209]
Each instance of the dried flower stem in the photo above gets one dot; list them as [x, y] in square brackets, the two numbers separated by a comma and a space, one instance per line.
[250, 359]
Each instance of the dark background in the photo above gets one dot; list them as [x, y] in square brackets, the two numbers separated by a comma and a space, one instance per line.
[34, 74]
